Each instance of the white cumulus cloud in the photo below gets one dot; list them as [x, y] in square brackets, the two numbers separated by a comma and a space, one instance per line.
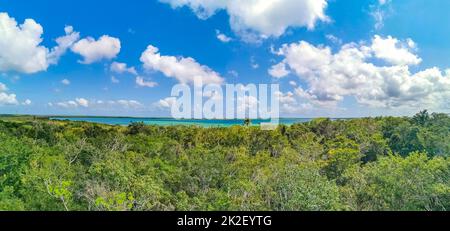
[26, 102]
[65, 82]
[141, 82]
[279, 70]
[394, 51]
[8, 99]
[66, 104]
[330, 77]
[128, 103]
[222, 37]
[5, 98]
[78, 102]
[92, 50]
[264, 18]
[64, 43]
[3, 87]
[121, 68]
[166, 103]
[21, 49]
[98, 104]
[185, 70]
[82, 102]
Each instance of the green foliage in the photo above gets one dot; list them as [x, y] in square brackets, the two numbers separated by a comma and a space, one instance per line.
[423, 132]
[9, 201]
[115, 202]
[340, 160]
[301, 188]
[359, 164]
[396, 183]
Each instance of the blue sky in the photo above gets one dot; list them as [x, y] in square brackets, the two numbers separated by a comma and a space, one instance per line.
[335, 58]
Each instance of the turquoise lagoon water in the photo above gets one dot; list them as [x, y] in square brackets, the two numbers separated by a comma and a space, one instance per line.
[171, 122]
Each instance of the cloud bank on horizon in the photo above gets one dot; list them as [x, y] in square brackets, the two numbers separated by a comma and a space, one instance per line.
[291, 42]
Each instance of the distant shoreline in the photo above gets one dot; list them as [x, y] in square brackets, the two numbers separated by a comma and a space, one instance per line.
[141, 117]
[174, 122]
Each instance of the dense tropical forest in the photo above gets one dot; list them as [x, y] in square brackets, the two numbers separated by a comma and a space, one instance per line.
[371, 164]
